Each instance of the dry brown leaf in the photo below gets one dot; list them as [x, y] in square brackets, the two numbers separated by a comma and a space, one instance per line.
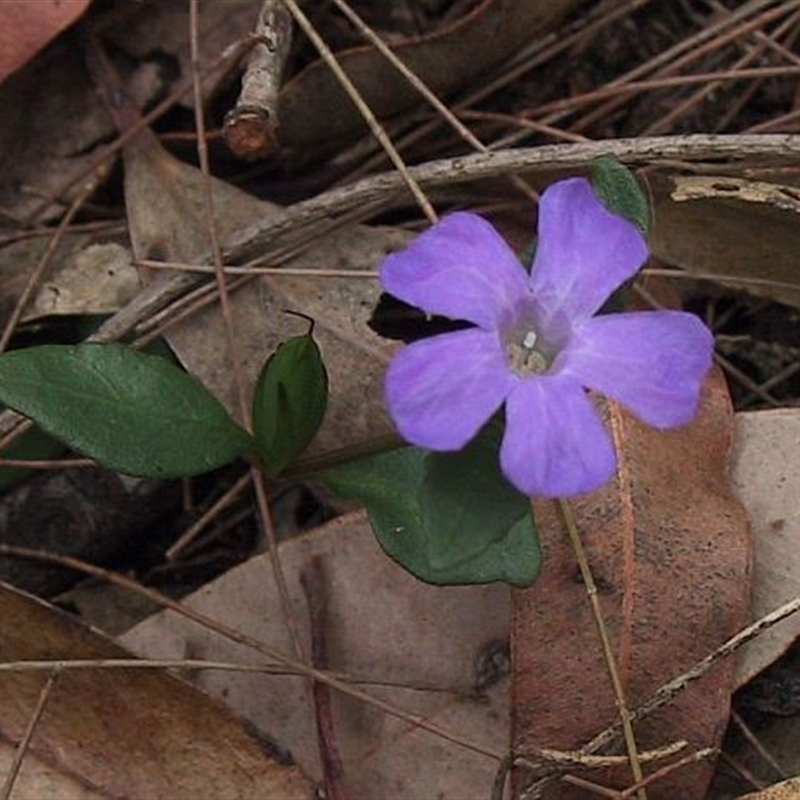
[37, 780]
[670, 550]
[382, 625]
[767, 479]
[85, 278]
[355, 356]
[733, 227]
[316, 113]
[163, 27]
[25, 28]
[167, 220]
[129, 733]
[52, 134]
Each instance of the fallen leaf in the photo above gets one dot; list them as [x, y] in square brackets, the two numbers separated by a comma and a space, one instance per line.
[167, 220]
[37, 779]
[670, 550]
[127, 733]
[316, 113]
[25, 28]
[766, 476]
[734, 227]
[58, 134]
[395, 633]
[86, 277]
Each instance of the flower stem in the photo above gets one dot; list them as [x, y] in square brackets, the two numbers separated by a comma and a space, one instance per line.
[608, 653]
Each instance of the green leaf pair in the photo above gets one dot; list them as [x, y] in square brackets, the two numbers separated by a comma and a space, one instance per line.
[142, 415]
[448, 518]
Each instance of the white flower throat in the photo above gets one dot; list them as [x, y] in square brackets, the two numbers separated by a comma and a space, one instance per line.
[524, 357]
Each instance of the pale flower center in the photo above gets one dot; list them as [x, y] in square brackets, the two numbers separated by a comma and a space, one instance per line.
[524, 356]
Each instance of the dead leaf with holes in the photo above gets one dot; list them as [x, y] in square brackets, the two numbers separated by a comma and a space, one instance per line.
[670, 549]
[126, 733]
[423, 648]
[167, 220]
[735, 227]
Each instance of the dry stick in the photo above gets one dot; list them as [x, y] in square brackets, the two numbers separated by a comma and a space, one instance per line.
[678, 684]
[463, 131]
[250, 128]
[191, 533]
[764, 42]
[144, 121]
[227, 317]
[669, 82]
[366, 112]
[312, 579]
[539, 52]
[36, 276]
[789, 29]
[22, 748]
[608, 651]
[623, 794]
[268, 239]
[685, 53]
[756, 744]
[414, 720]
[194, 664]
[559, 764]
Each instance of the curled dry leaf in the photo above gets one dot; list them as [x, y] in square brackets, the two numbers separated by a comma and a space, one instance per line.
[128, 733]
[725, 226]
[422, 648]
[670, 549]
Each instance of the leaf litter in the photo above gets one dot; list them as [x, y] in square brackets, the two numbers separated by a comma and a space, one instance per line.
[613, 48]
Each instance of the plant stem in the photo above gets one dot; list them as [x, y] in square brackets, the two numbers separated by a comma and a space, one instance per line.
[608, 653]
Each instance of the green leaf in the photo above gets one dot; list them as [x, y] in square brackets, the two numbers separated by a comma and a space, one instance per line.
[289, 402]
[448, 518]
[618, 188]
[131, 412]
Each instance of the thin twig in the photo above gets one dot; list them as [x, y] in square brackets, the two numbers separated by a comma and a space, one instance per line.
[24, 745]
[230, 340]
[414, 720]
[312, 580]
[366, 112]
[608, 651]
[39, 270]
[250, 128]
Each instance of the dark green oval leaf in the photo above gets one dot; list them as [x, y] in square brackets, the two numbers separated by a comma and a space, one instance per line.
[289, 402]
[131, 412]
[448, 518]
[618, 188]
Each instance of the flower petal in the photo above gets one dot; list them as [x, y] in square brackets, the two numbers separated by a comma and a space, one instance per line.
[555, 444]
[460, 268]
[653, 362]
[584, 253]
[440, 391]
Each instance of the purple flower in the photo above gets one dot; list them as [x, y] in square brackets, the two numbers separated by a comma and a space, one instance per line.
[536, 345]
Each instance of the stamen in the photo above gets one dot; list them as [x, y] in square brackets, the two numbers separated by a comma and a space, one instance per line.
[529, 340]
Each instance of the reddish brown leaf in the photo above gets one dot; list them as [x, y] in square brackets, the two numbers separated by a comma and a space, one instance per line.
[670, 549]
[26, 27]
[134, 733]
